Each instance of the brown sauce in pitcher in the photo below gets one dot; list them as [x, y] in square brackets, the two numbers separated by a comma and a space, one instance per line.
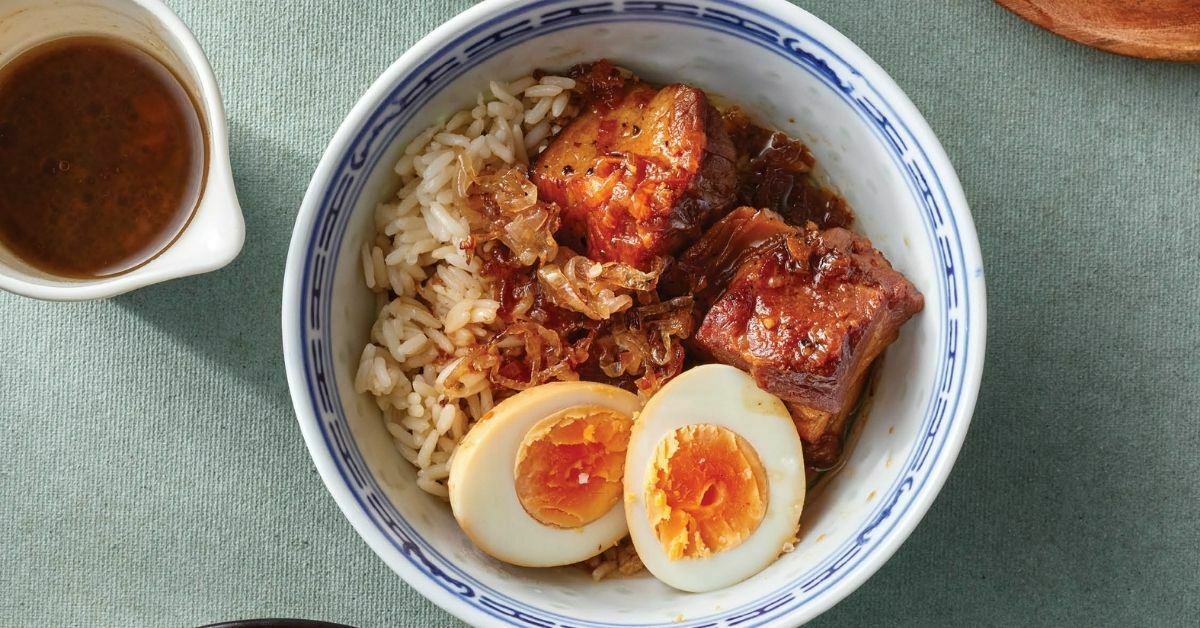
[102, 157]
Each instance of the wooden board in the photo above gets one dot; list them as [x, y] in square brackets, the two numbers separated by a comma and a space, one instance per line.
[1150, 29]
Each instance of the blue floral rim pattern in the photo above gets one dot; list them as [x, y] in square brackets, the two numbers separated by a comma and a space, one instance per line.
[729, 18]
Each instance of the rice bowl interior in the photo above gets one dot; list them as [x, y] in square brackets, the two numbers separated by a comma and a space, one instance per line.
[582, 227]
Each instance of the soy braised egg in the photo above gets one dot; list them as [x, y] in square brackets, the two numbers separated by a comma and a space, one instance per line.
[537, 482]
[714, 480]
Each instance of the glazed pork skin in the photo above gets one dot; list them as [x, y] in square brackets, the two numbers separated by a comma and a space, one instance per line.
[640, 172]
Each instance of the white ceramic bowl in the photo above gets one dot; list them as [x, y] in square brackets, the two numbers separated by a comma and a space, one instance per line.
[786, 67]
[214, 235]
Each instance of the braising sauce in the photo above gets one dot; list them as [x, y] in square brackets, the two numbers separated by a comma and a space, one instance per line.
[102, 157]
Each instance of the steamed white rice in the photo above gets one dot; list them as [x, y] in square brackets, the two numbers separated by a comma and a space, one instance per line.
[434, 305]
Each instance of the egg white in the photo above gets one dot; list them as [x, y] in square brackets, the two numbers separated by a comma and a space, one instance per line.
[723, 396]
[483, 494]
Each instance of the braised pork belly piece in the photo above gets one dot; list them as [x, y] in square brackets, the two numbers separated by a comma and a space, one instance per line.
[805, 311]
[640, 172]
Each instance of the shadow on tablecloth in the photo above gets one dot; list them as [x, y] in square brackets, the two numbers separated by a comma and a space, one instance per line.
[232, 316]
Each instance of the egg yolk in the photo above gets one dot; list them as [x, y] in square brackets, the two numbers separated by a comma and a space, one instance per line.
[706, 493]
[570, 465]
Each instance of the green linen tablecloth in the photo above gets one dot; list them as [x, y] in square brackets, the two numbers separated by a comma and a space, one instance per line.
[152, 474]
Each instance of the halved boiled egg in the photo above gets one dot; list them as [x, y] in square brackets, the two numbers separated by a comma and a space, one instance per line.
[714, 480]
[537, 482]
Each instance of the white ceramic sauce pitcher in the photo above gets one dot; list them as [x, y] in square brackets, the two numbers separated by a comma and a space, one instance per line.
[215, 233]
